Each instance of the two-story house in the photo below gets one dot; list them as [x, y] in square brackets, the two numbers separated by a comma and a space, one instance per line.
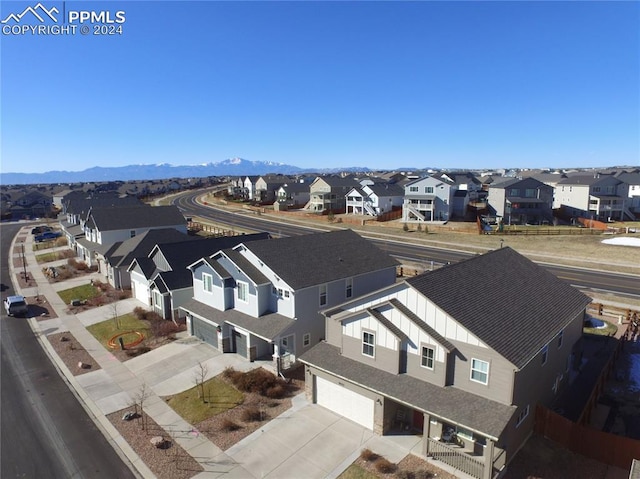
[262, 299]
[374, 199]
[105, 226]
[521, 201]
[600, 197]
[249, 192]
[632, 180]
[427, 199]
[471, 348]
[467, 193]
[291, 195]
[328, 193]
[121, 253]
[267, 185]
[160, 278]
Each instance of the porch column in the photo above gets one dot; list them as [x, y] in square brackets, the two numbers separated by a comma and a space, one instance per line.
[426, 433]
[488, 460]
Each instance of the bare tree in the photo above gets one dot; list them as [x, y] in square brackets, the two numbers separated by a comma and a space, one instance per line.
[139, 399]
[114, 314]
[200, 376]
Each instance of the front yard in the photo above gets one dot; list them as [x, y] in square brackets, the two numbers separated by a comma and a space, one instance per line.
[91, 295]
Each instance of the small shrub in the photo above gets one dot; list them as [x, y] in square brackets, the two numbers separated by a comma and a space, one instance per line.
[276, 392]
[419, 227]
[405, 475]
[251, 414]
[384, 466]
[405, 227]
[368, 455]
[140, 313]
[228, 425]
[422, 474]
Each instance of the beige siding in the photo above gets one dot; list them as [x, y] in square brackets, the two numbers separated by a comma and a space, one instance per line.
[500, 382]
[384, 359]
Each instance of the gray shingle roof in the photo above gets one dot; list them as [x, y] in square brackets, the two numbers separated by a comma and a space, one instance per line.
[268, 326]
[386, 189]
[509, 302]
[142, 244]
[247, 268]
[447, 403]
[308, 260]
[110, 219]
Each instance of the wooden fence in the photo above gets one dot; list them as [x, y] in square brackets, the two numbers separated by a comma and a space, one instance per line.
[602, 446]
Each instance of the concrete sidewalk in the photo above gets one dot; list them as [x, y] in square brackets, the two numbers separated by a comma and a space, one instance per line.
[306, 439]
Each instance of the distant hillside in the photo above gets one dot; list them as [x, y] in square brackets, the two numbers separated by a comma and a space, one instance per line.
[230, 167]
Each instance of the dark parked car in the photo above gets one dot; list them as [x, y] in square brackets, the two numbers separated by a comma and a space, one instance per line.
[47, 236]
[40, 229]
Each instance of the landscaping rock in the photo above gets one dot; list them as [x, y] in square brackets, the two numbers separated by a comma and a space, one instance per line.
[157, 441]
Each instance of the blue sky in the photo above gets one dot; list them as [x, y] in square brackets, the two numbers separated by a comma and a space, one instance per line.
[328, 84]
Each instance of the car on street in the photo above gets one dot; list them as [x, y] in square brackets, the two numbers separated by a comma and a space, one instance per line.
[47, 236]
[16, 305]
[41, 229]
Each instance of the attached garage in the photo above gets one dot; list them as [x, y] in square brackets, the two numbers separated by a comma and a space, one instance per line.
[240, 341]
[205, 331]
[345, 402]
[140, 291]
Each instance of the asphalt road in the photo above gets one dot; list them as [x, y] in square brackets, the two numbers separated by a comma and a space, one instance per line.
[44, 431]
[585, 279]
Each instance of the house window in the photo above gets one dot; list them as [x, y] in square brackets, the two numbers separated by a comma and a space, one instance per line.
[480, 371]
[323, 294]
[368, 344]
[207, 280]
[413, 189]
[515, 192]
[132, 233]
[306, 339]
[428, 355]
[530, 193]
[523, 415]
[349, 287]
[428, 189]
[560, 339]
[545, 354]
[243, 291]
[286, 294]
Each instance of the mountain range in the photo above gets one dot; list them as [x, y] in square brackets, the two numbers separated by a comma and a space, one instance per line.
[230, 167]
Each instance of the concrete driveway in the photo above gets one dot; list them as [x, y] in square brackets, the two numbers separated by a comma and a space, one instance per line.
[312, 442]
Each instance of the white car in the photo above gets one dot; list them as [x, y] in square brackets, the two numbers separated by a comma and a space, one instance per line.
[16, 306]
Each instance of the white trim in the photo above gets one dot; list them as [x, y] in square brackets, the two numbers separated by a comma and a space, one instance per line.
[432, 358]
[479, 371]
[242, 286]
[204, 282]
[371, 344]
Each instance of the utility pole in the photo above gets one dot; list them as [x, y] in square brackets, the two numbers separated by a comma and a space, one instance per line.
[24, 263]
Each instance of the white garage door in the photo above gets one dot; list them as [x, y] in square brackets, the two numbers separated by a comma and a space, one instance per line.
[141, 291]
[345, 402]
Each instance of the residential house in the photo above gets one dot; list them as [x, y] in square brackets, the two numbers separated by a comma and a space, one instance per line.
[471, 348]
[76, 206]
[160, 278]
[249, 192]
[521, 201]
[328, 194]
[267, 185]
[600, 197]
[32, 204]
[632, 182]
[374, 199]
[262, 299]
[427, 199]
[468, 196]
[291, 196]
[105, 226]
[120, 254]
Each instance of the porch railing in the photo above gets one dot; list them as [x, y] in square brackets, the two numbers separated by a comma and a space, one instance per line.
[453, 457]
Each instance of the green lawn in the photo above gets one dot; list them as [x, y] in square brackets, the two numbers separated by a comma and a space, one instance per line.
[105, 330]
[84, 292]
[356, 472]
[219, 396]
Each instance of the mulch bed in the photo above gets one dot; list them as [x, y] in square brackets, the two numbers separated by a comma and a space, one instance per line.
[40, 309]
[168, 462]
[410, 467]
[72, 352]
[25, 283]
